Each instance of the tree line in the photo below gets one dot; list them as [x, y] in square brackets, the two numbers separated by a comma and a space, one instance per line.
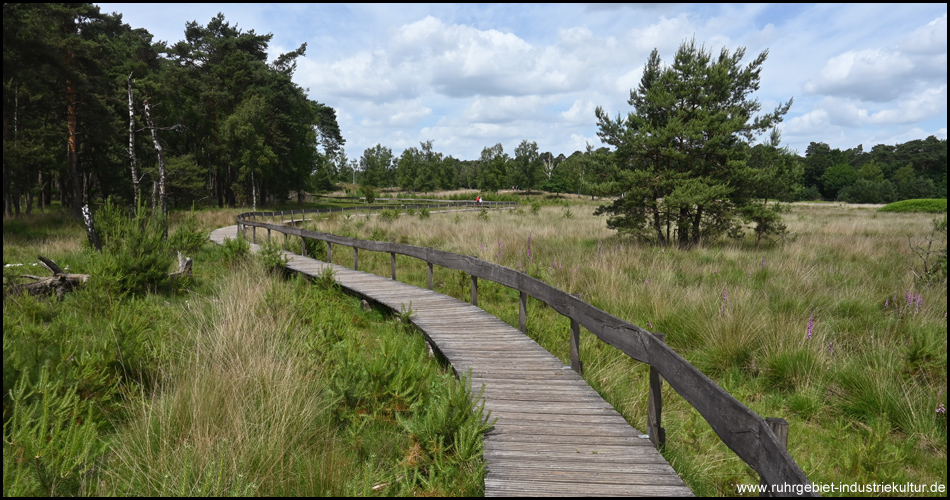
[96, 109]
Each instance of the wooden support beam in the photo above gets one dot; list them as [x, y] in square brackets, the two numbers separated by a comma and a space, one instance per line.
[576, 364]
[779, 426]
[303, 246]
[329, 252]
[429, 265]
[392, 263]
[474, 290]
[356, 259]
[655, 404]
[523, 313]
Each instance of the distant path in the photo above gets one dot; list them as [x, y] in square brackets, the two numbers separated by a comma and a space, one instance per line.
[554, 435]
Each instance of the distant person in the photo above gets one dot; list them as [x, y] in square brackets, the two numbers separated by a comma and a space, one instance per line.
[478, 199]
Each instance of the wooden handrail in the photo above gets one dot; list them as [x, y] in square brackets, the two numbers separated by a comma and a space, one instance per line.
[746, 433]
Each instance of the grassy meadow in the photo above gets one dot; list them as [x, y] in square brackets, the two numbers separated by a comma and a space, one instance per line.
[242, 381]
[236, 381]
[827, 328]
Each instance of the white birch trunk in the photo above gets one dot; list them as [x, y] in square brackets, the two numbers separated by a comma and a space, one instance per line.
[161, 164]
[253, 193]
[135, 172]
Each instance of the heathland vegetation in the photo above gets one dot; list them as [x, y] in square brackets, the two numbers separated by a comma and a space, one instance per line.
[233, 381]
[834, 327]
[240, 380]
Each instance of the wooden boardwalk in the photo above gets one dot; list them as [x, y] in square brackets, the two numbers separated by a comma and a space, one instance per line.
[554, 435]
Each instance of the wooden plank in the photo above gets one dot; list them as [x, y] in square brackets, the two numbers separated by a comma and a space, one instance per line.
[553, 434]
[505, 487]
[590, 477]
[658, 467]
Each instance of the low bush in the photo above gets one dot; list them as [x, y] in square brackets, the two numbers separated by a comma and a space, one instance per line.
[921, 205]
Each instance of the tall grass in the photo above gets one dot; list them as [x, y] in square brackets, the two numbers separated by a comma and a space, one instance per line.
[862, 391]
[238, 382]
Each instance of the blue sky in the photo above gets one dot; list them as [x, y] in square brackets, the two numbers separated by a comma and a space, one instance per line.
[469, 76]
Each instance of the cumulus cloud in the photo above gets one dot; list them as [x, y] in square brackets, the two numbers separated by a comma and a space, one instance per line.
[580, 113]
[401, 113]
[504, 109]
[870, 75]
[880, 75]
[920, 106]
[928, 39]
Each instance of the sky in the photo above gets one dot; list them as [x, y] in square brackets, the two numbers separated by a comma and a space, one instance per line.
[469, 76]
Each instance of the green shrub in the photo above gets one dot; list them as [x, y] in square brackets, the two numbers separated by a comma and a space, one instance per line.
[271, 256]
[389, 215]
[369, 193]
[188, 237]
[51, 444]
[922, 205]
[135, 254]
[424, 213]
[235, 250]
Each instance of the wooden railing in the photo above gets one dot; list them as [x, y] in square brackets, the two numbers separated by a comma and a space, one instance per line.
[759, 442]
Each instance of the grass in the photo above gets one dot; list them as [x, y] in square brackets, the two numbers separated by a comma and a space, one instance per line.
[862, 393]
[238, 382]
[924, 205]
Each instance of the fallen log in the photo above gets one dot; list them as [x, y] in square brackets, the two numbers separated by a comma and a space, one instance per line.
[59, 283]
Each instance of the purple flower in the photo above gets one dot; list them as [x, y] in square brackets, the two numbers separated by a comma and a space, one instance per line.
[886, 301]
[811, 325]
[650, 323]
[763, 262]
[831, 348]
[942, 409]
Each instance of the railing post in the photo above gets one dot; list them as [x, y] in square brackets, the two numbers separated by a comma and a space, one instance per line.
[779, 427]
[356, 259]
[576, 363]
[254, 234]
[329, 253]
[474, 290]
[523, 312]
[429, 265]
[655, 404]
[268, 235]
[303, 246]
[392, 262]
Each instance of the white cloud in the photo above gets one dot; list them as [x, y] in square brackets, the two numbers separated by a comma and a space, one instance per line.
[928, 39]
[919, 106]
[504, 109]
[580, 113]
[870, 74]
[401, 113]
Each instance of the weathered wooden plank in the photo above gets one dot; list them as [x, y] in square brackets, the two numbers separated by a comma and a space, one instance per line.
[506, 487]
[549, 424]
[568, 439]
[591, 477]
[655, 467]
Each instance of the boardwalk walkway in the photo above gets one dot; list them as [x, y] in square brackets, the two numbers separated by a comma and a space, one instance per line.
[554, 435]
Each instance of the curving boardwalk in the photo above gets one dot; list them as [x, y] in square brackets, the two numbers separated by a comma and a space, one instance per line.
[554, 435]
